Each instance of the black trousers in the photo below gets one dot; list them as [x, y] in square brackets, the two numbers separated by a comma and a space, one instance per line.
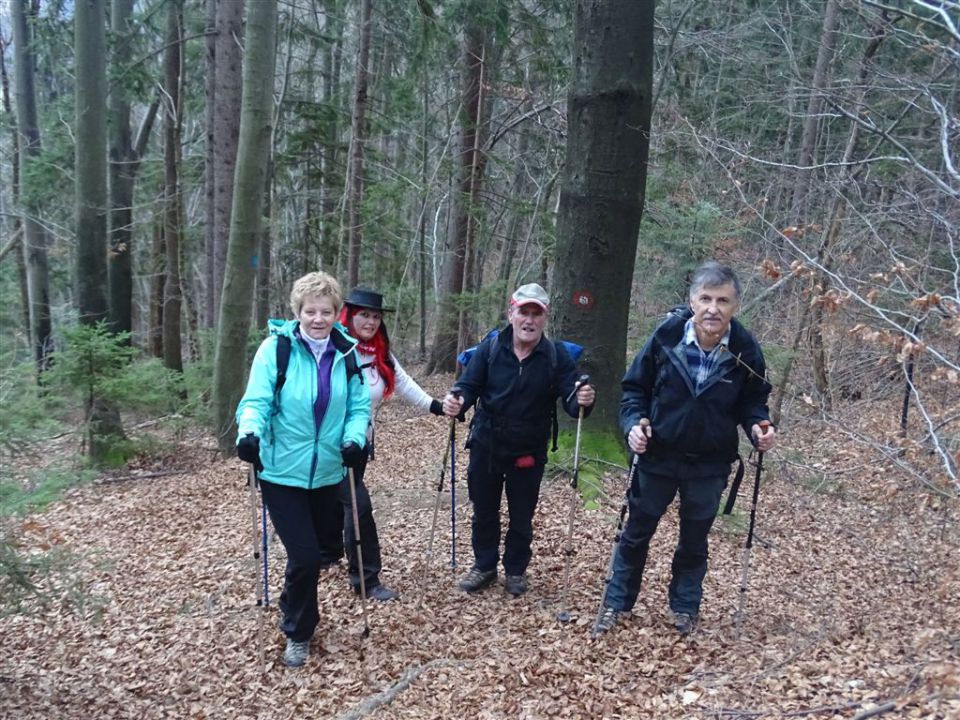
[486, 480]
[369, 542]
[310, 525]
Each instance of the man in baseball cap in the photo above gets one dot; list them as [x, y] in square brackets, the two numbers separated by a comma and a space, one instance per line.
[514, 379]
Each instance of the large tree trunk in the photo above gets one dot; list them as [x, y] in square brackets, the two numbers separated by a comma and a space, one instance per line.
[91, 160]
[601, 201]
[34, 236]
[172, 297]
[229, 77]
[253, 153]
[443, 355]
[90, 157]
[358, 140]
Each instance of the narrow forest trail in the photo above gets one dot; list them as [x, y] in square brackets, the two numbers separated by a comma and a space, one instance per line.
[853, 602]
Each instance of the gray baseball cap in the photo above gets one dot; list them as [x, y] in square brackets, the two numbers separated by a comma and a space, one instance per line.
[531, 293]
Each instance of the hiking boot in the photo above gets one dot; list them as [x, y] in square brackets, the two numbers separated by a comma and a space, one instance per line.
[477, 579]
[684, 623]
[605, 621]
[382, 593]
[516, 585]
[296, 653]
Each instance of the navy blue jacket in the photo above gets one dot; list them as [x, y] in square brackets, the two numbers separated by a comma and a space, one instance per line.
[515, 399]
[691, 427]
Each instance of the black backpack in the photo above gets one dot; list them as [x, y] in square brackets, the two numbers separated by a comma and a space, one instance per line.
[284, 346]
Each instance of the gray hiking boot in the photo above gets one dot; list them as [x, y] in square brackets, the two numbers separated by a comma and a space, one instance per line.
[477, 579]
[382, 593]
[684, 623]
[296, 653]
[605, 621]
[516, 585]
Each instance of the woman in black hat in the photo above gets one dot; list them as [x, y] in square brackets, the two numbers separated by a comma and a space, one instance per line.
[362, 315]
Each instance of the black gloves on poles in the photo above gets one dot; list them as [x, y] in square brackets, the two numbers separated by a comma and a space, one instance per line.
[436, 407]
[353, 455]
[248, 450]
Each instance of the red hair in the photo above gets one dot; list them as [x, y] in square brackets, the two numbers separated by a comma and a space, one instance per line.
[378, 346]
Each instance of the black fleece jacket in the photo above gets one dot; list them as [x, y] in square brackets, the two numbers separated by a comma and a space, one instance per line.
[514, 399]
[690, 427]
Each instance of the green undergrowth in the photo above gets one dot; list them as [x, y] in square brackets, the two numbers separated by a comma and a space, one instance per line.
[599, 453]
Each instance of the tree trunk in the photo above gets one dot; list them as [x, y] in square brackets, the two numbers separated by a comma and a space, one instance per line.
[443, 355]
[601, 201]
[172, 299]
[226, 131]
[158, 276]
[34, 235]
[103, 420]
[91, 160]
[253, 152]
[208, 298]
[358, 140]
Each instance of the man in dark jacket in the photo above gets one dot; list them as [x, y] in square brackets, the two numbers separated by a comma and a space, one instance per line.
[514, 379]
[699, 376]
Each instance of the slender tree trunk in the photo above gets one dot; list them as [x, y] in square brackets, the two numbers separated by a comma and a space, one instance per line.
[229, 78]
[230, 364]
[446, 337]
[601, 201]
[358, 141]
[821, 77]
[158, 276]
[209, 317]
[34, 235]
[172, 299]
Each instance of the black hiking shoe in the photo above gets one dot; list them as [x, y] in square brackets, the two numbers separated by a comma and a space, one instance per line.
[477, 579]
[684, 623]
[606, 620]
[516, 585]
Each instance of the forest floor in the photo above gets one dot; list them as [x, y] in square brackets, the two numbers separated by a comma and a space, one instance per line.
[852, 611]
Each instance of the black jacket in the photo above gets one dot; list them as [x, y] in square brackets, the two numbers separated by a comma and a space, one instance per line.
[515, 400]
[687, 427]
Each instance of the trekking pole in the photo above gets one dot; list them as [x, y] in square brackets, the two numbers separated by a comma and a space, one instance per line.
[436, 510]
[616, 541]
[453, 496]
[564, 615]
[260, 607]
[748, 546]
[359, 551]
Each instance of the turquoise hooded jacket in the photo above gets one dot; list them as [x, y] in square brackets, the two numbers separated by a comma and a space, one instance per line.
[295, 452]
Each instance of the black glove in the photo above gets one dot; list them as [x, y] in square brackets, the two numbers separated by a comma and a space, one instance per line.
[248, 450]
[353, 455]
[436, 407]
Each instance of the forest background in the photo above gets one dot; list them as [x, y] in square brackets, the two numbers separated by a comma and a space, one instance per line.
[168, 168]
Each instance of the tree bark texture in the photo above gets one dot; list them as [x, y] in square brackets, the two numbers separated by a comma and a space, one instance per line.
[443, 354]
[172, 296]
[208, 298]
[358, 141]
[124, 162]
[253, 153]
[34, 235]
[229, 79]
[601, 200]
[91, 160]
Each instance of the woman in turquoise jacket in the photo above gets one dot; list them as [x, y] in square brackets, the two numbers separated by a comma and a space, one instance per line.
[300, 440]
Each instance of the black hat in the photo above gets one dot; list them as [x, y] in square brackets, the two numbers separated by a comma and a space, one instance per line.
[366, 298]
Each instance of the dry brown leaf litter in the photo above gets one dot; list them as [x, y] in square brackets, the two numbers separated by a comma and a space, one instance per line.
[852, 603]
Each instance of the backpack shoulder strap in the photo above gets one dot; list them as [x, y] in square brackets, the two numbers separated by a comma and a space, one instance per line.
[353, 367]
[283, 361]
[552, 355]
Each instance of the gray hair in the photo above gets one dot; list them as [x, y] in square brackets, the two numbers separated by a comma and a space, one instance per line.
[713, 274]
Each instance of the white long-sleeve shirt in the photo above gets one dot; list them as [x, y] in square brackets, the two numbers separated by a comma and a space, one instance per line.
[406, 387]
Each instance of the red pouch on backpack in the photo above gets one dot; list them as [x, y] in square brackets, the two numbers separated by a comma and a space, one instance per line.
[525, 461]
